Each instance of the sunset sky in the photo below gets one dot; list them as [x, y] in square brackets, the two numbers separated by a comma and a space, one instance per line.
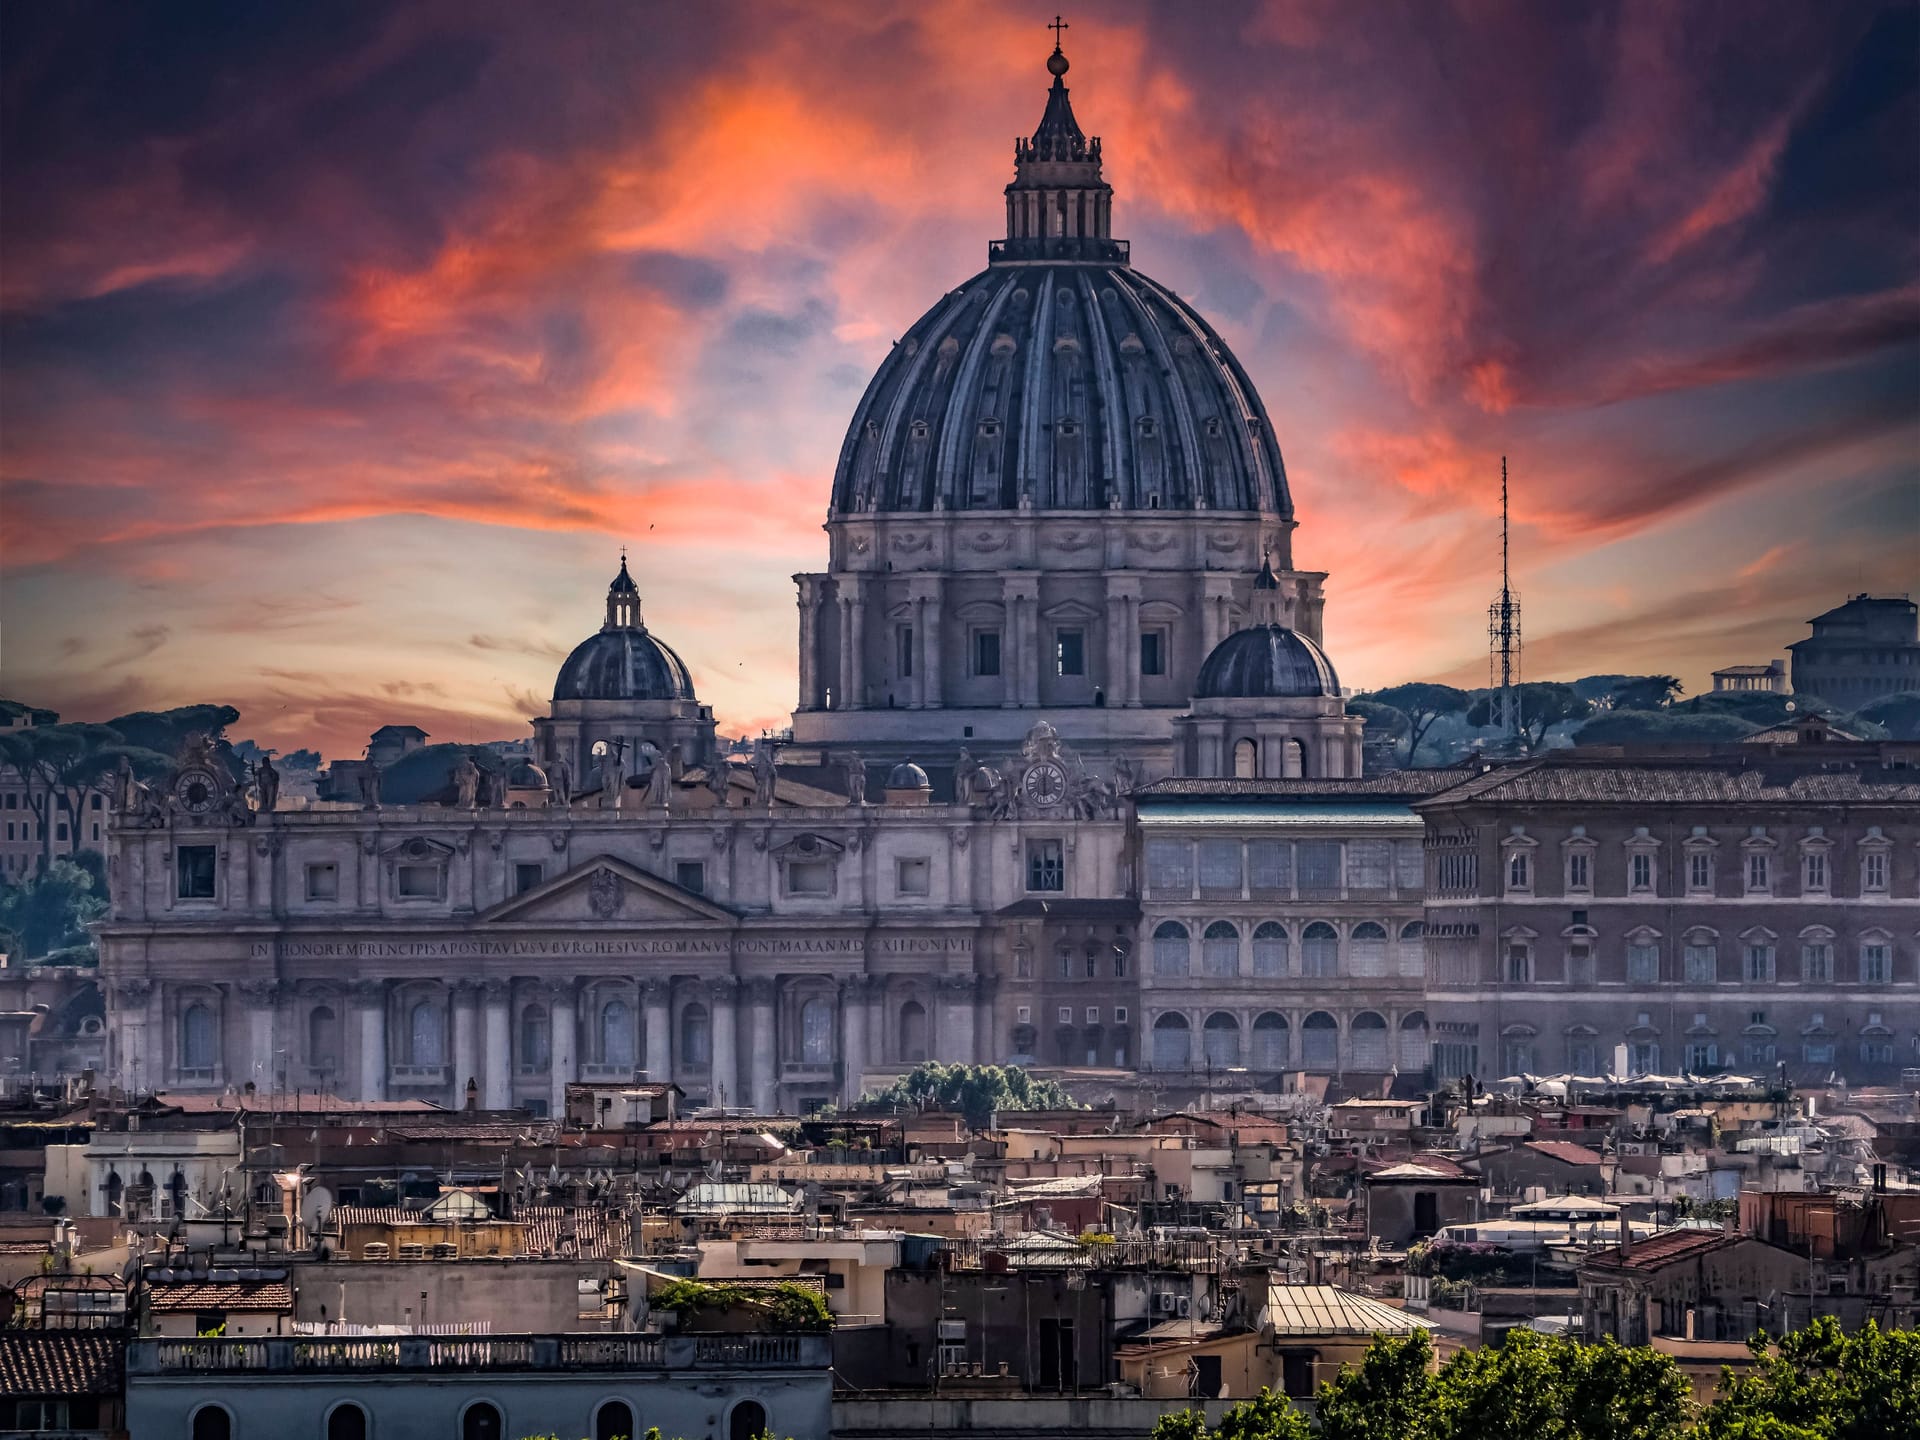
[342, 346]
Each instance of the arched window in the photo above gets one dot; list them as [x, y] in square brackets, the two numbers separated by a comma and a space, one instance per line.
[536, 1054]
[426, 1034]
[1293, 759]
[913, 1032]
[1413, 948]
[1270, 1041]
[346, 1421]
[616, 1035]
[212, 1422]
[748, 1421]
[323, 1038]
[1369, 1034]
[1413, 1042]
[197, 1047]
[1172, 1043]
[614, 1421]
[1319, 950]
[1270, 949]
[1221, 1035]
[1319, 1042]
[1246, 760]
[696, 1038]
[816, 1032]
[1367, 950]
[482, 1422]
[1170, 949]
[1220, 949]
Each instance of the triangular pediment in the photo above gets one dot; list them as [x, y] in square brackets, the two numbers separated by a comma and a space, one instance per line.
[609, 891]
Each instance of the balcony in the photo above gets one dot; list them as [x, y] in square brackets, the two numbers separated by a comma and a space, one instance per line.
[292, 1356]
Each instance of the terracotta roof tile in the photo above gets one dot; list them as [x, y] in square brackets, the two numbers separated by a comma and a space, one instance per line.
[225, 1295]
[1666, 1248]
[1566, 1151]
[1731, 781]
[57, 1362]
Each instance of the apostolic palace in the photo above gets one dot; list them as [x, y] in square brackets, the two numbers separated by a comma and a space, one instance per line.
[1070, 783]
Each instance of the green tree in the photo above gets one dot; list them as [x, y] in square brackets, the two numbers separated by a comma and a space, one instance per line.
[977, 1091]
[1532, 1386]
[167, 731]
[1543, 705]
[1422, 704]
[1821, 1383]
[1661, 727]
[1384, 722]
[51, 908]
[1898, 715]
[1385, 1397]
[61, 763]
[1646, 692]
[1266, 1416]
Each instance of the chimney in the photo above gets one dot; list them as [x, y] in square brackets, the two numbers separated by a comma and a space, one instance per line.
[1626, 1236]
[1880, 1177]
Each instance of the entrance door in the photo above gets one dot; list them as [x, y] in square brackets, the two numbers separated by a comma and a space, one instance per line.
[1206, 1377]
[1426, 1212]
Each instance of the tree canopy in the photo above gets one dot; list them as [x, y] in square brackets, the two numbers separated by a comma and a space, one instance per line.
[1898, 715]
[1661, 727]
[49, 909]
[1543, 705]
[977, 1091]
[1421, 703]
[1384, 722]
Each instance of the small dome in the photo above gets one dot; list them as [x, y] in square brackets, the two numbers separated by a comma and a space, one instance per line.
[907, 776]
[525, 775]
[623, 582]
[1265, 662]
[623, 664]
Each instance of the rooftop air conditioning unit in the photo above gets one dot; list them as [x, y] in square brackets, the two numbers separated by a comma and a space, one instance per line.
[1167, 1302]
[1183, 1306]
[952, 1330]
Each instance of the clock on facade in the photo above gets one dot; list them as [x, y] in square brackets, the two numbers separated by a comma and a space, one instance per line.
[1045, 784]
[196, 790]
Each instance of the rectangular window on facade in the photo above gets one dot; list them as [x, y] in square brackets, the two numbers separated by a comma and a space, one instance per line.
[1519, 964]
[1702, 1055]
[1640, 872]
[1702, 964]
[1093, 1014]
[1816, 961]
[1369, 865]
[986, 652]
[1876, 964]
[1873, 872]
[691, 875]
[1817, 1052]
[194, 871]
[1519, 871]
[61, 834]
[1699, 872]
[417, 882]
[1759, 969]
[323, 882]
[1409, 866]
[1759, 874]
[1170, 867]
[1813, 874]
[1066, 1015]
[527, 875]
[1643, 964]
[1220, 867]
[1070, 651]
[1119, 1014]
[1153, 652]
[903, 651]
[809, 877]
[1317, 866]
[1579, 871]
[1270, 866]
[913, 875]
[1046, 866]
[94, 803]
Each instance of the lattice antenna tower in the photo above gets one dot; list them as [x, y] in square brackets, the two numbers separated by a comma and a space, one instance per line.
[1503, 632]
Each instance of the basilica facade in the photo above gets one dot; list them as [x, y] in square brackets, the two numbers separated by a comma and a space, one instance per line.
[1060, 570]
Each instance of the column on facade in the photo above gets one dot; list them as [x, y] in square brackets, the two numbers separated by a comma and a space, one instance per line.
[565, 1037]
[986, 1040]
[496, 1084]
[763, 1057]
[843, 682]
[1117, 668]
[127, 1030]
[809, 659]
[931, 660]
[1020, 598]
[262, 999]
[466, 1038]
[857, 645]
[853, 1035]
[725, 1081]
[656, 1004]
[371, 998]
[916, 682]
[954, 999]
[876, 1021]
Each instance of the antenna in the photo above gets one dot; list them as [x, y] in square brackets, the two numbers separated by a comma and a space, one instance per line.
[1503, 632]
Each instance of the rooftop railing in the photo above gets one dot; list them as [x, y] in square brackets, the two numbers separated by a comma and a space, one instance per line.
[292, 1355]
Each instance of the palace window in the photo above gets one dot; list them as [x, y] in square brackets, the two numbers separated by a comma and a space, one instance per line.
[194, 870]
[1519, 872]
[1367, 949]
[1220, 949]
[1700, 872]
[691, 875]
[986, 652]
[1813, 872]
[1643, 963]
[1153, 652]
[1640, 872]
[323, 881]
[1759, 966]
[1369, 865]
[1816, 961]
[1070, 651]
[1319, 950]
[1519, 967]
[1270, 950]
[1220, 868]
[1046, 866]
[1702, 961]
[1170, 947]
[1759, 873]
[198, 1037]
[1317, 864]
[913, 875]
[1873, 872]
[809, 877]
[903, 651]
[527, 875]
[417, 882]
[1170, 868]
[1876, 962]
[1579, 871]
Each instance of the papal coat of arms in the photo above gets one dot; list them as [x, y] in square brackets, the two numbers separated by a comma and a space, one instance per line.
[605, 894]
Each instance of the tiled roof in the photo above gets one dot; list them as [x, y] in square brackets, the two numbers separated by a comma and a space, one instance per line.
[306, 1102]
[1659, 1251]
[373, 1215]
[226, 1295]
[1302, 1310]
[60, 1362]
[1566, 1151]
[1392, 783]
[585, 1234]
[1732, 782]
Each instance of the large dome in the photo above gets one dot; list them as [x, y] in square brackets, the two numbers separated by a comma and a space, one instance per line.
[1074, 386]
[623, 665]
[1266, 662]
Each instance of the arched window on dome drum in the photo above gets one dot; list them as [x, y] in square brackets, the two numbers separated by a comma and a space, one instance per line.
[1222, 1037]
[536, 1054]
[1413, 1043]
[426, 1035]
[1367, 950]
[913, 1032]
[1270, 1041]
[1369, 1034]
[1413, 948]
[1293, 759]
[617, 1043]
[1220, 949]
[1170, 950]
[1246, 760]
[1319, 950]
[1320, 1042]
[816, 1032]
[197, 1038]
[1172, 1043]
[696, 1038]
[1270, 950]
